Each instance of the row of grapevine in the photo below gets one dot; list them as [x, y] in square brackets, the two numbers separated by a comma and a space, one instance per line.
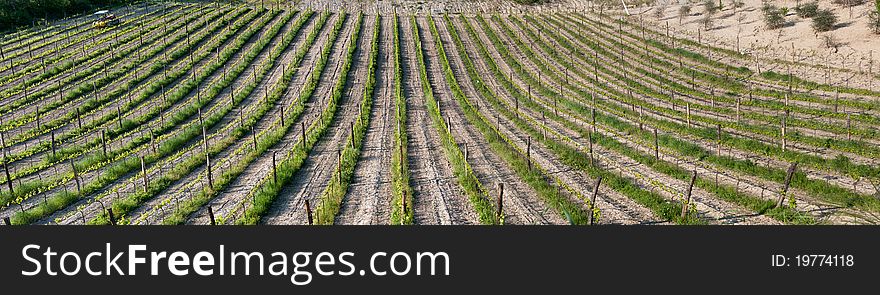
[332, 195]
[99, 159]
[165, 144]
[264, 193]
[265, 139]
[400, 173]
[187, 160]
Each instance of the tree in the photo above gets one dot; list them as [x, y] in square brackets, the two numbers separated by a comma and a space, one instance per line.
[807, 10]
[774, 17]
[850, 4]
[874, 18]
[16, 13]
[831, 42]
[685, 10]
[824, 20]
[711, 7]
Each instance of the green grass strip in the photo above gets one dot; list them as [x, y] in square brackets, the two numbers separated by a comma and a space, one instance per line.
[400, 175]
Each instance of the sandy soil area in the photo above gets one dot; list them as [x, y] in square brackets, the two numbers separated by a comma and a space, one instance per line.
[747, 22]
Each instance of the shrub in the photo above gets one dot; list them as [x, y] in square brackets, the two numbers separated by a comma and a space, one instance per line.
[849, 3]
[685, 10]
[830, 42]
[530, 2]
[738, 3]
[824, 20]
[14, 13]
[711, 6]
[874, 19]
[807, 10]
[774, 17]
[660, 10]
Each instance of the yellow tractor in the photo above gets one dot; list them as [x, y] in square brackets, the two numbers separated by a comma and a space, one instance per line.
[105, 19]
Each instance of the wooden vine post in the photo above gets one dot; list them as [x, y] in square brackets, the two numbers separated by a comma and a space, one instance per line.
[118, 115]
[144, 172]
[718, 144]
[688, 115]
[641, 117]
[309, 212]
[103, 142]
[211, 215]
[787, 183]
[153, 140]
[403, 156]
[53, 143]
[274, 168]
[590, 139]
[8, 179]
[656, 146]
[207, 157]
[593, 117]
[75, 175]
[593, 199]
[529, 152]
[848, 127]
[78, 119]
[164, 95]
[281, 114]
[254, 136]
[516, 102]
[737, 109]
[110, 216]
[339, 166]
[784, 143]
[403, 207]
[687, 198]
[500, 206]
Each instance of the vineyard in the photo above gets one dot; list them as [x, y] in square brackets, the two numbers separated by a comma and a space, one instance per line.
[217, 113]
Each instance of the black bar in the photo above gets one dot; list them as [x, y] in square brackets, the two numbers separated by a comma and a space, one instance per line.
[510, 259]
